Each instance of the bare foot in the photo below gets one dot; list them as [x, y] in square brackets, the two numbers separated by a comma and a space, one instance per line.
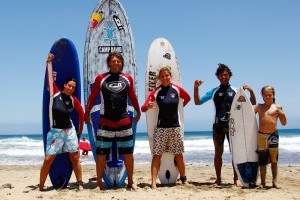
[133, 186]
[261, 186]
[185, 183]
[153, 187]
[276, 186]
[217, 183]
[238, 183]
[100, 186]
[42, 188]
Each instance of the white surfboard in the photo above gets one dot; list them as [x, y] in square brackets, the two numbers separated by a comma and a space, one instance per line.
[243, 138]
[108, 31]
[161, 54]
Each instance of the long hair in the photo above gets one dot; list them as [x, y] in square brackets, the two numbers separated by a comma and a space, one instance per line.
[268, 87]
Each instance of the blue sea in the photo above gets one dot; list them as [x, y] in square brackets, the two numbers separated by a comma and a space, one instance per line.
[199, 149]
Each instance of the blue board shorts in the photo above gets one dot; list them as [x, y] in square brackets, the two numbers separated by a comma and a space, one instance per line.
[61, 141]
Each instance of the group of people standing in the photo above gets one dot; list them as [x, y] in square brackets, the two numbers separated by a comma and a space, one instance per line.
[115, 123]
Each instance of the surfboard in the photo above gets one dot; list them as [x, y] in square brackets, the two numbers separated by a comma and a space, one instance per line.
[108, 31]
[243, 138]
[65, 65]
[161, 53]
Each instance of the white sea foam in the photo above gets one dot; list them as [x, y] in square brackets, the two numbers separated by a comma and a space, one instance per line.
[28, 150]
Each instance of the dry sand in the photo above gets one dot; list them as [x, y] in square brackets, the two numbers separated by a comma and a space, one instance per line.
[19, 182]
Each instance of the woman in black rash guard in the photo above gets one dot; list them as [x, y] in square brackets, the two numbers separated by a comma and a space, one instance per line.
[168, 129]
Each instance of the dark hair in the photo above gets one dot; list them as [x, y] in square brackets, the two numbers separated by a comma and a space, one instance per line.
[222, 68]
[71, 79]
[116, 54]
[68, 80]
[269, 87]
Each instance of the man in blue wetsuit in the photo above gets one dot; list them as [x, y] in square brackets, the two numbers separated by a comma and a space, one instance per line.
[222, 96]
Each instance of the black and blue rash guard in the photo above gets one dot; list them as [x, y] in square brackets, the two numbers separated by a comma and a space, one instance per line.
[167, 99]
[222, 96]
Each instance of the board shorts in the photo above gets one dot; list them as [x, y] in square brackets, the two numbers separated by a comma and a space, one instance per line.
[267, 147]
[168, 140]
[219, 134]
[123, 139]
[61, 141]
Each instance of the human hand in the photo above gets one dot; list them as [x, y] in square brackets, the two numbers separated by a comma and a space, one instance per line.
[197, 83]
[137, 117]
[247, 87]
[87, 117]
[50, 57]
[279, 111]
[150, 103]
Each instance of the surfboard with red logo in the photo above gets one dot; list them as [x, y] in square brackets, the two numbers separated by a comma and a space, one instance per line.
[161, 53]
[108, 31]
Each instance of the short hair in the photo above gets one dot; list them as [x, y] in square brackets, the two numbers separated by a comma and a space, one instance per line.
[116, 54]
[222, 68]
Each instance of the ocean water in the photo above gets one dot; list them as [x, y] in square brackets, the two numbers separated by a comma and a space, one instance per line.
[199, 149]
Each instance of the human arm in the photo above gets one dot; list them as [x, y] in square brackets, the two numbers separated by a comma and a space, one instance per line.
[134, 101]
[197, 84]
[80, 113]
[50, 77]
[91, 100]
[281, 115]
[185, 96]
[149, 103]
[252, 95]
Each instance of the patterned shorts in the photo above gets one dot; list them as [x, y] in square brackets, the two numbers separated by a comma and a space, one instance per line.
[168, 140]
[123, 139]
[61, 141]
[268, 147]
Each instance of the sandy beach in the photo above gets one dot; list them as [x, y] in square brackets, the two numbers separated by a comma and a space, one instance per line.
[19, 182]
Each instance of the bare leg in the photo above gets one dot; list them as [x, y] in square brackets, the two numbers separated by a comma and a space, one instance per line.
[181, 167]
[154, 169]
[129, 164]
[75, 159]
[100, 164]
[274, 167]
[263, 173]
[48, 160]
[218, 163]
[236, 178]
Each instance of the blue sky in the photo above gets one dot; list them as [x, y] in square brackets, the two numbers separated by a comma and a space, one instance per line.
[259, 40]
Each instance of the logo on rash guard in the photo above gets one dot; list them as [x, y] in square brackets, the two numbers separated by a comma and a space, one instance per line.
[116, 86]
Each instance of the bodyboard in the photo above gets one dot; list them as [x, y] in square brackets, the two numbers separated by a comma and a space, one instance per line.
[65, 65]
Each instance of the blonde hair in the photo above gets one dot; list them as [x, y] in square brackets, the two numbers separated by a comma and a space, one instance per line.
[268, 87]
[161, 70]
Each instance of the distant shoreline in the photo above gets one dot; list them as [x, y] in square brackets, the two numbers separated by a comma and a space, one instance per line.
[145, 132]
